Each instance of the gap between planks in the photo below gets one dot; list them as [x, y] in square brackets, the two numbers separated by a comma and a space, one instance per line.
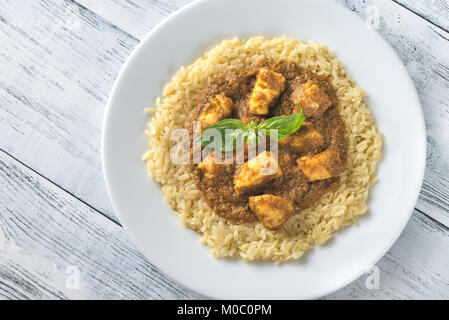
[117, 222]
[435, 216]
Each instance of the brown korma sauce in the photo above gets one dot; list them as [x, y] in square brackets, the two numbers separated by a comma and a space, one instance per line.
[292, 185]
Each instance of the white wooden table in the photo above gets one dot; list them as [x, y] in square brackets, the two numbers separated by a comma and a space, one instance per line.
[58, 61]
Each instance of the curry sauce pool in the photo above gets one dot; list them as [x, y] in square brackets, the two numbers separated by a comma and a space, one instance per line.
[298, 185]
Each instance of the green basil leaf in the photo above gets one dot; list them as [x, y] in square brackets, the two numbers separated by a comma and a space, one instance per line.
[232, 139]
[228, 124]
[229, 134]
[286, 125]
[223, 135]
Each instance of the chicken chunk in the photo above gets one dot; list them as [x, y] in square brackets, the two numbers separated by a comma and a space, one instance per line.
[209, 166]
[271, 210]
[312, 98]
[268, 86]
[306, 138]
[321, 166]
[217, 109]
[256, 172]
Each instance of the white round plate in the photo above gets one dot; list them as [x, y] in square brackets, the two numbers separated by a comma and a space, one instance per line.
[175, 250]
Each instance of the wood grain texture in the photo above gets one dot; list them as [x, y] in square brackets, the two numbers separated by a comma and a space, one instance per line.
[59, 62]
[435, 11]
[43, 231]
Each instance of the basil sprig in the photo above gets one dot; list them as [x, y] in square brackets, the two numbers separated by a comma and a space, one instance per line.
[229, 134]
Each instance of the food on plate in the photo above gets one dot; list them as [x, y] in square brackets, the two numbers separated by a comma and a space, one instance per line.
[296, 153]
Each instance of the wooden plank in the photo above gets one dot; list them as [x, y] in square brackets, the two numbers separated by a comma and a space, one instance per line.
[59, 62]
[137, 18]
[64, 65]
[45, 234]
[435, 11]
